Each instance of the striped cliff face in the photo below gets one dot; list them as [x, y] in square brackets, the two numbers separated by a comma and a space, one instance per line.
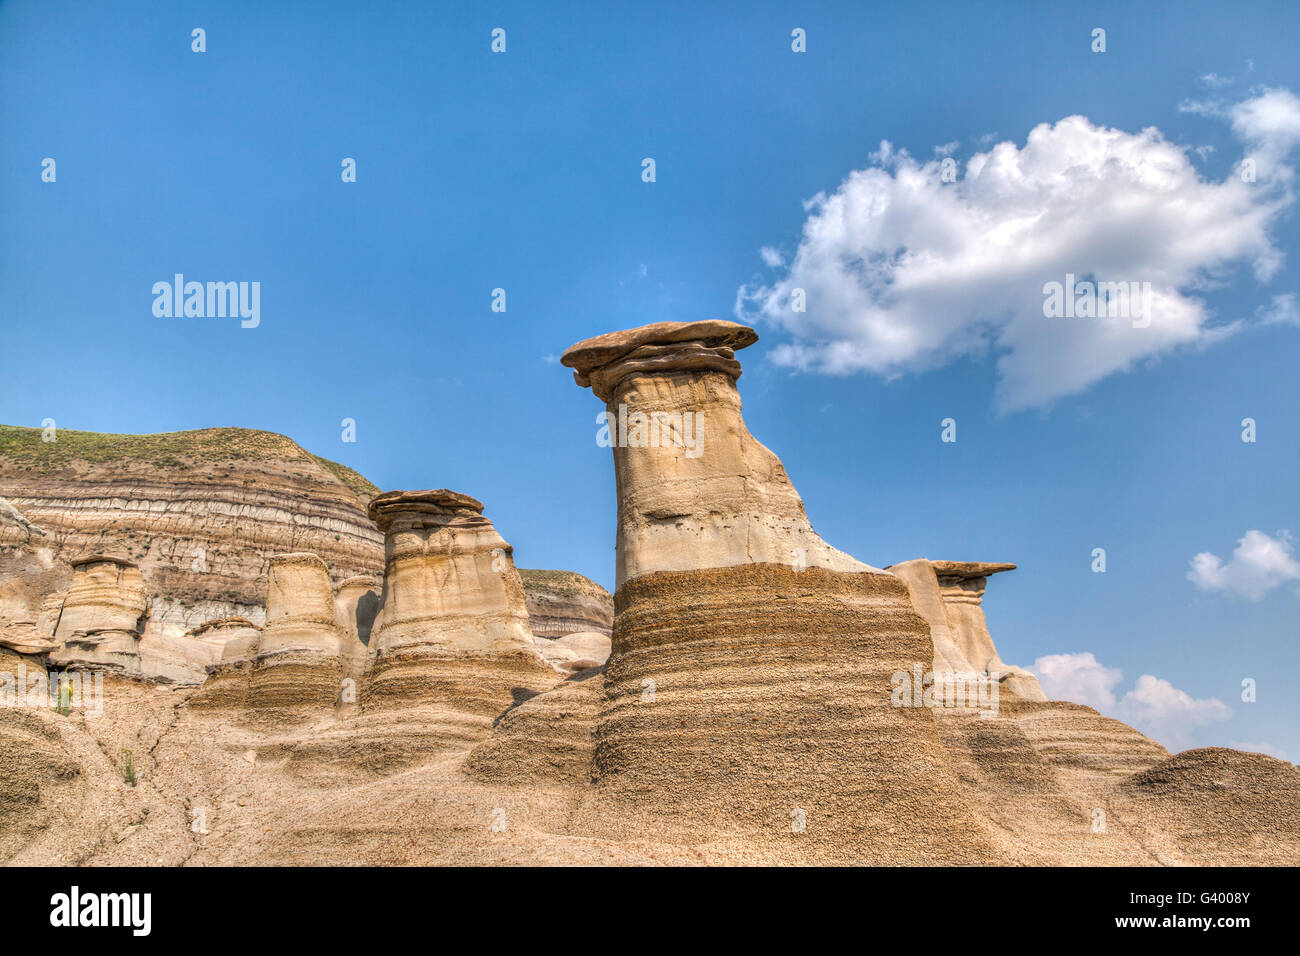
[747, 695]
[200, 513]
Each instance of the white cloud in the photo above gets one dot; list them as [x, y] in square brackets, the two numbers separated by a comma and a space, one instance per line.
[903, 272]
[1154, 706]
[1283, 308]
[772, 258]
[1078, 677]
[1270, 122]
[1161, 710]
[1261, 747]
[1259, 564]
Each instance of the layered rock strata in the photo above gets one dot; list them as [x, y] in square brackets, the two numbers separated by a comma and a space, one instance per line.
[561, 603]
[747, 695]
[575, 652]
[229, 679]
[949, 595]
[299, 657]
[198, 512]
[451, 647]
[695, 489]
[102, 618]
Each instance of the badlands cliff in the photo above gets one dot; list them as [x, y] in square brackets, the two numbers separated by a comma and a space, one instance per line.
[198, 515]
[379, 684]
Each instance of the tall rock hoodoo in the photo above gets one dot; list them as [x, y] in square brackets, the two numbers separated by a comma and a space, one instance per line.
[948, 594]
[298, 662]
[747, 695]
[452, 631]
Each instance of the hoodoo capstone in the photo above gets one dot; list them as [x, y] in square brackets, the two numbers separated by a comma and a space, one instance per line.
[695, 488]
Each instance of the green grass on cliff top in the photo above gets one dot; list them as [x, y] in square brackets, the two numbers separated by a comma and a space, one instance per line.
[563, 582]
[166, 449]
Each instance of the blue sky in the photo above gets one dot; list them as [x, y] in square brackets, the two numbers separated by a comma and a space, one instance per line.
[522, 171]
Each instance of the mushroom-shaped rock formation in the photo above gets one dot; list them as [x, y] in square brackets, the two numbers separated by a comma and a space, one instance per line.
[695, 488]
[102, 617]
[298, 661]
[949, 594]
[747, 695]
[452, 637]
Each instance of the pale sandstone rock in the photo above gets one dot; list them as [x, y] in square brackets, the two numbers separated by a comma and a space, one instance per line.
[299, 657]
[10, 514]
[450, 649]
[575, 652]
[229, 679]
[450, 584]
[949, 594]
[356, 603]
[31, 598]
[103, 616]
[184, 659]
[748, 687]
[695, 489]
[197, 511]
[232, 638]
[562, 602]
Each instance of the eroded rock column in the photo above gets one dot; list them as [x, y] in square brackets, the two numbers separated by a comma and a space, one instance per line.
[747, 694]
[102, 617]
[229, 678]
[298, 660]
[452, 630]
[949, 595]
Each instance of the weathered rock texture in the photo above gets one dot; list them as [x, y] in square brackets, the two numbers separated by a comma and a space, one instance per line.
[747, 695]
[299, 657]
[575, 652]
[451, 648]
[102, 618]
[948, 594]
[561, 602]
[198, 512]
[744, 714]
[695, 489]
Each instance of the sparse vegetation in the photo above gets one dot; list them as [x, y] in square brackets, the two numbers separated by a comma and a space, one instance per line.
[128, 768]
[566, 583]
[64, 706]
[22, 449]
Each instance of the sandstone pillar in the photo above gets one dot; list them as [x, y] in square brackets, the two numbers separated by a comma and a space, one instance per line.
[949, 595]
[298, 660]
[452, 629]
[747, 695]
[102, 617]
